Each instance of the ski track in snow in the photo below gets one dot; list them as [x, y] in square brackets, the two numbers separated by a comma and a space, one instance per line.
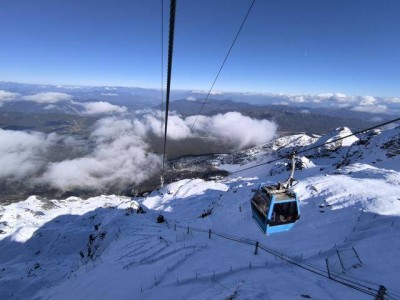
[100, 248]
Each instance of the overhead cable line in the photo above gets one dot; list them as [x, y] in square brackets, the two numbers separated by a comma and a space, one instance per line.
[320, 145]
[355, 133]
[170, 54]
[162, 83]
[222, 66]
[162, 61]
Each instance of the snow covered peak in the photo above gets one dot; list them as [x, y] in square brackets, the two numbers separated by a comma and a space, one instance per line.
[340, 137]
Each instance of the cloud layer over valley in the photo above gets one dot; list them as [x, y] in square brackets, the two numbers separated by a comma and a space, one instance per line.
[119, 145]
[47, 97]
[49, 100]
[117, 153]
[369, 104]
[98, 96]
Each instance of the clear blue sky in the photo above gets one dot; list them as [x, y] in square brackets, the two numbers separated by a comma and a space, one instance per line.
[307, 46]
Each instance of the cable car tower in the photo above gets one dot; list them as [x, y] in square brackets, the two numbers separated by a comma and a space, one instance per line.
[275, 208]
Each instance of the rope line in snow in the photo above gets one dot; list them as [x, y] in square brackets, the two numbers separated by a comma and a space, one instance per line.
[305, 265]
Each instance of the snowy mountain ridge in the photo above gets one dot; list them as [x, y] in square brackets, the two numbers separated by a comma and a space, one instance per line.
[100, 248]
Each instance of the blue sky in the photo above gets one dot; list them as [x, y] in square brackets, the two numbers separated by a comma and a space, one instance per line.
[308, 46]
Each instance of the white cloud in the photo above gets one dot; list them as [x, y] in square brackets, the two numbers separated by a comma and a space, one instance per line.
[371, 108]
[206, 92]
[120, 157]
[68, 87]
[236, 130]
[178, 128]
[368, 100]
[298, 99]
[285, 103]
[151, 123]
[393, 100]
[116, 153]
[332, 95]
[50, 106]
[8, 96]
[368, 104]
[190, 98]
[110, 94]
[107, 129]
[48, 97]
[24, 154]
[101, 107]
[231, 128]
[21, 153]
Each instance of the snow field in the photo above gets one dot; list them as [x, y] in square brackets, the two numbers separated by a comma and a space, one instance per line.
[350, 220]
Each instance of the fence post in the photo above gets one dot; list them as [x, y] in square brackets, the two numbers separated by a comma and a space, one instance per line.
[357, 255]
[380, 295]
[256, 250]
[188, 230]
[174, 227]
[209, 233]
[340, 259]
[327, 267]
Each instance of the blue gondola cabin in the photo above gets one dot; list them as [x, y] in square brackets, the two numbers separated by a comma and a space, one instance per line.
[275, 209]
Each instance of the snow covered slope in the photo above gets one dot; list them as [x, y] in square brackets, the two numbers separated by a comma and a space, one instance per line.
[100, 248]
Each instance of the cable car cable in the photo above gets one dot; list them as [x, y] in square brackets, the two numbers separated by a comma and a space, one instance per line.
[317, 146]
[353, 134]
[162, 87]
[222, 66]
[162, 64]
[170, 55]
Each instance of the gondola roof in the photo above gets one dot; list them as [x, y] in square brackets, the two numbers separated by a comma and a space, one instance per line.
[280, 194]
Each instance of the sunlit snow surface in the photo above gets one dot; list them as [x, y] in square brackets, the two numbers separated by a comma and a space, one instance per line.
[45, 244]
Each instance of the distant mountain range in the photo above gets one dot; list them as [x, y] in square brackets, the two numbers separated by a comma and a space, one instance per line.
[291, 117]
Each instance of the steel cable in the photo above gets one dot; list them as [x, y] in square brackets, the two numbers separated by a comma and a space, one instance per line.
[320, 145]
[222, 66]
